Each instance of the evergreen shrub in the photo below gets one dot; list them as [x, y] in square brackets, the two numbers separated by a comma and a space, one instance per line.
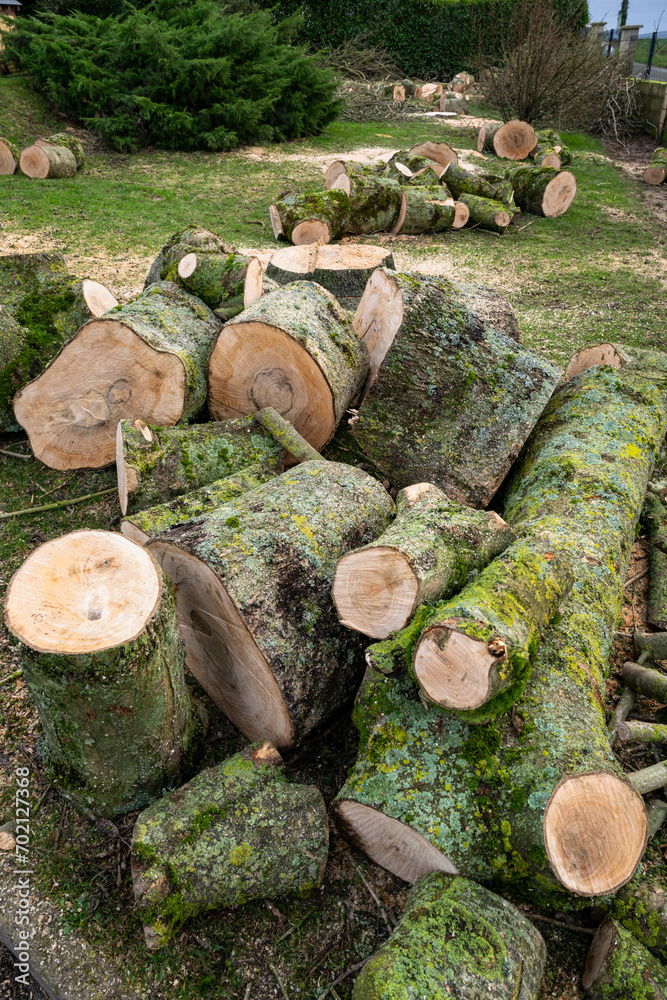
[182, 74]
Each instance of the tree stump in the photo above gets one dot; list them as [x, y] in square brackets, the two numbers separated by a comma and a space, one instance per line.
[656, 172]
[236, 832]
[501, 957]
[310, 218]
[374, 202]
[543, 191]
[42, 162]
[9, 157]
[69, 142]
[487, 214]
[254, 596]
[215, 278]
[426, 553]
[512, 141]
[150, 362]
[102, 658]
[165, 265]
[619, 967]
[438, 379]
[294, 350]
[342, 270]
[424, 210]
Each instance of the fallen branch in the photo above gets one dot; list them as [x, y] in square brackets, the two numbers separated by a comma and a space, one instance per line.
[53, 506]
[344, 975]
[12, 677]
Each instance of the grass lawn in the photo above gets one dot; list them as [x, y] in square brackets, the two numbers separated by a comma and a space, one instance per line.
[659, 56]
[598, 273]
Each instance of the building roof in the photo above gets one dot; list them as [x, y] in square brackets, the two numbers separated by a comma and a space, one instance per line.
[10, 3]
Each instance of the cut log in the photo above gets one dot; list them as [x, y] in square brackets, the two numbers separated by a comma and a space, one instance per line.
[405, 164]
[440, 152]
[41, 162]
[150, 362]
[12, 342]
[542, 191]
[551, 805]
[426, 957]
[487, 214]
[654, 519]
[374, 202]
[462, 215]
[342, 270]
[511, 141]
[427, 92]
[102, 659]
[424, 210]
[650, 779]
[9, 157]
[655, 644]
[432, 396]
[489, 306]
[69, 142]
[294, 350]
[236, 832]
[619, 967]
[656, 172]
[426, 553]
[311, 218]
[625, 705]
[159, 463]
[474, 654]
[254, 596]
[214, 278]
[650, 683]
[146, 524]
[459, 107]
[641, 905]
[165, 265]
[352, 169]
[398, 93]
[462, 81]
[642, 732]
[650, 364]
[21, 273]
[461, 181]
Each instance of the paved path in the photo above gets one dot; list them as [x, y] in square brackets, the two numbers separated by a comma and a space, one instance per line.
[657, 73]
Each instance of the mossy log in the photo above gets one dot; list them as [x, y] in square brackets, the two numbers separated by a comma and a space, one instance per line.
[624, 706]
[216, 278]
[254, 596]
[654, 519]
[511, 141]
[104, 664]
[69, 142]
[342, 270]
[294, 350]
[655, 644]
[550, 803]
[619, 967]
[456, 939]
[650, 683]
[150, 363]
[406, 165]
[155, 464]
[146, 524]
[352, 169]
[310, 218]
[487, 214]
[641, 905]
[461, 181]
[442, 380]
[490, 306]
[656, 172]
[188, 240]
[52, 162]
[440, 152]
[238, 831]
[541, 190]
[649, 364]
[9, 157]
[374, 202]
[21, 273]
[424, 210]
[649, 779]
[457, 104]
[642, 732]
[426, 553]
[462, 82]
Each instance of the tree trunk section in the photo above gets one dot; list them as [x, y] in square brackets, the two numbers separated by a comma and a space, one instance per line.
[12, 342]
[352, 169]
[543, 191]
[656, 172]
[649, 779]
[618, 967]
[487, 214]
[42, 162]
[649, 364]
[254, 596]
[342, 270]
[424, 210]
[159, 463]
[650, 683]
[461, 181]
[457, 105]
[439, 152]
[462, 82]
[311, 218]
[294, 350]
[405, 165]
[642, 732]
[374, 202]
[69, 142]
[488, 305]
[150, 363]
[502, 956]
[654, 518]
[21, 273]
[426, 553]
[238, 831]
[102, 658]
[440, 378]
[512, 141]
[641, 905]
[189, 240]
[9, 157]
[216, 278]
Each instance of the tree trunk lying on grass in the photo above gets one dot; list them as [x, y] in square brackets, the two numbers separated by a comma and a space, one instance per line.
[462, 81]
[511, 141]
[42, 162]
[549, 150]
[150, 361]
[405, 165]
[656, 172]
[447, 103]
[551, 801]
[214, 278]
[456, 939]
[619, 967]
[254, 596]
[294, 350]
[427, 552]
[543, 191]
[102, 658]
[486, 214]
[188, 240]
[374, 202]
[9, 157]
[461, 181]
[424, 210]
[69, 142]
[342, 270]
[437, 377]
[310, 218]
[238, 831]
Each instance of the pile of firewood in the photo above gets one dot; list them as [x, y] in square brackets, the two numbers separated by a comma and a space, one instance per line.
[656, 172]
[451, 97]
[60, 155]
[425, 190]
[339, 491]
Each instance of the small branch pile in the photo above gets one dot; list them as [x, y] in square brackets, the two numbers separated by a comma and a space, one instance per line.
[60, 155]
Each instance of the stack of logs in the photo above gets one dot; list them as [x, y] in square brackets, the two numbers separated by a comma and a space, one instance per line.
[57, 156]
[426, 190]
[449, 98]
[341, 491]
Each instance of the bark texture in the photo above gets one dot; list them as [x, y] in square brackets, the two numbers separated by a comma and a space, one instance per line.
[492, 308]
[9, 157]
[641, 905]
[342, 270]
[656, 172]
[69, 142]
[217, 278]
[425, 210]
[188, 240]
[651, 683]
[21, 273]
[331, 208]
[52, 162]
[461, 181]
[456, 939]
[655, 525]
[444, 382]
[236, 832]
[487, 214]
[542, 190]
[619, 967]
[374, 204]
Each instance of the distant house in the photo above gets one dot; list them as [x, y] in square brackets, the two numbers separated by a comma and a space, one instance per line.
[9, 8]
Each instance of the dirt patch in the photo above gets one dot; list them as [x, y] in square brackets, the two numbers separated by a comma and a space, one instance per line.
[633, 159]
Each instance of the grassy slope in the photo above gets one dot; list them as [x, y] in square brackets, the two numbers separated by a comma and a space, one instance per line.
[589, 276]
[659, 56]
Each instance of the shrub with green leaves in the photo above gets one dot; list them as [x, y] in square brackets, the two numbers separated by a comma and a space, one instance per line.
[182, 74]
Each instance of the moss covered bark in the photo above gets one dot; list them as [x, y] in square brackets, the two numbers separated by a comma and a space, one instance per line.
[374, 204]
[656, 172]
[119, 724]
[69, 142]
[236, 832]
[487, 214]
[332, 208]
[21, 273]
[427, 210]
[619, 967]
[488, 305]
[641, 905]
[654, 518]
[188, 240]
[9, 156]
[461, 181]
[454, 401]
[61, 162]
[217, 278]
[456, 939]
[347, 283]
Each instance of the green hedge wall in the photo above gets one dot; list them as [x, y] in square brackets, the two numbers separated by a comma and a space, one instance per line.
[427, 38]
